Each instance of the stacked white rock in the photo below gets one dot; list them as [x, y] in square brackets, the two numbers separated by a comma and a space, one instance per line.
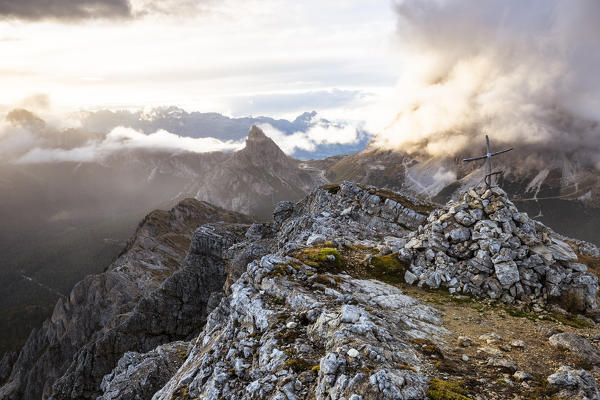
[482, 245]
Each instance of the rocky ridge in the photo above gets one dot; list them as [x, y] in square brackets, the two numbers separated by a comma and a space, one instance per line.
[147, 290]
[305, 321]
[482, 245]
[313, 305]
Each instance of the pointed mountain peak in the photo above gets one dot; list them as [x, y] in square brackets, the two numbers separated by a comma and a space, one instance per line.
[257, 141]
[305, 117]
[256, 135]
[262, 149]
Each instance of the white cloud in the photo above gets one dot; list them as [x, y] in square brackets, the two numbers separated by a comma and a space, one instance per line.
[520, 71]
[320, 133]
[122, 138]
[204, 61]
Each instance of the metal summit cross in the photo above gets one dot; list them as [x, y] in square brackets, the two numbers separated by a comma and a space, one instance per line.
[488, 157]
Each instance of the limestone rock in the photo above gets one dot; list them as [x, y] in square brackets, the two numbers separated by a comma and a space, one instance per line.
[502, 363]
[579, 345]
[139, 376]
[492, 250]
[269, 313]
[521, 376]
[6, 364]
[144, 299]
[574, 384]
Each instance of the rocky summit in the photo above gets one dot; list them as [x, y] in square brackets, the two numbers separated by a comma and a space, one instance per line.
[483, 246]
[353, 293]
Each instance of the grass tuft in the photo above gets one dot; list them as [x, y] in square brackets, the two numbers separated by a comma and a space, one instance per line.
[445, 390]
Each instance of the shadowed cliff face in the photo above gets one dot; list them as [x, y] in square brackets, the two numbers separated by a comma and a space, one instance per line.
[145, 289]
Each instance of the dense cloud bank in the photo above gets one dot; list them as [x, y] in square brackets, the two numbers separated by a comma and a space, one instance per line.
[523, 72]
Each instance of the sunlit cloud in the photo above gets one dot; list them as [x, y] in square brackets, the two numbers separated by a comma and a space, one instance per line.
[321, 133]
[519, 71]
[225, 56]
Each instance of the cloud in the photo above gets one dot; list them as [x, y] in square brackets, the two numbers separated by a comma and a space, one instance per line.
[64, 9]
[320, 133]
[122, 139]
[27, 138]
[522, 71]
[76, 10]
[295, 102]
[37, 101]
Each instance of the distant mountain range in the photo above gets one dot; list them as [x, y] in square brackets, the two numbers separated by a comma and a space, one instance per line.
[203, 125]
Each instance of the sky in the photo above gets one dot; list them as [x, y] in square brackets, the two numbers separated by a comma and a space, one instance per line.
[427, 77]
[252, 57]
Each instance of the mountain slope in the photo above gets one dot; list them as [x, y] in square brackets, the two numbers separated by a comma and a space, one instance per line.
[255, 178]
[320, 303]
[101, 304]
[64, 220]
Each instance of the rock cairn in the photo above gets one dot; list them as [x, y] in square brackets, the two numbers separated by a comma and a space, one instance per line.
[482, 245]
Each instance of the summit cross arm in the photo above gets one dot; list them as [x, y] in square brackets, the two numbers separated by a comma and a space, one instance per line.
[488, 158]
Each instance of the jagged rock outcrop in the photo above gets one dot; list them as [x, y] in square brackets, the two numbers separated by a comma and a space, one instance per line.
[483, 246]
[280, 335]
[349, 213]
[139, 376]
[145, 298]
[579, 345]
[290, 330]
[6, 363]
[176, 310]
[574, 384]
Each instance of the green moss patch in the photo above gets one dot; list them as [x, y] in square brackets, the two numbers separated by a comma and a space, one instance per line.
[388, 268]
[517, 313]
[543, 391]
[446, 390]
[569, 320]
[324, 259]
[297, 365]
